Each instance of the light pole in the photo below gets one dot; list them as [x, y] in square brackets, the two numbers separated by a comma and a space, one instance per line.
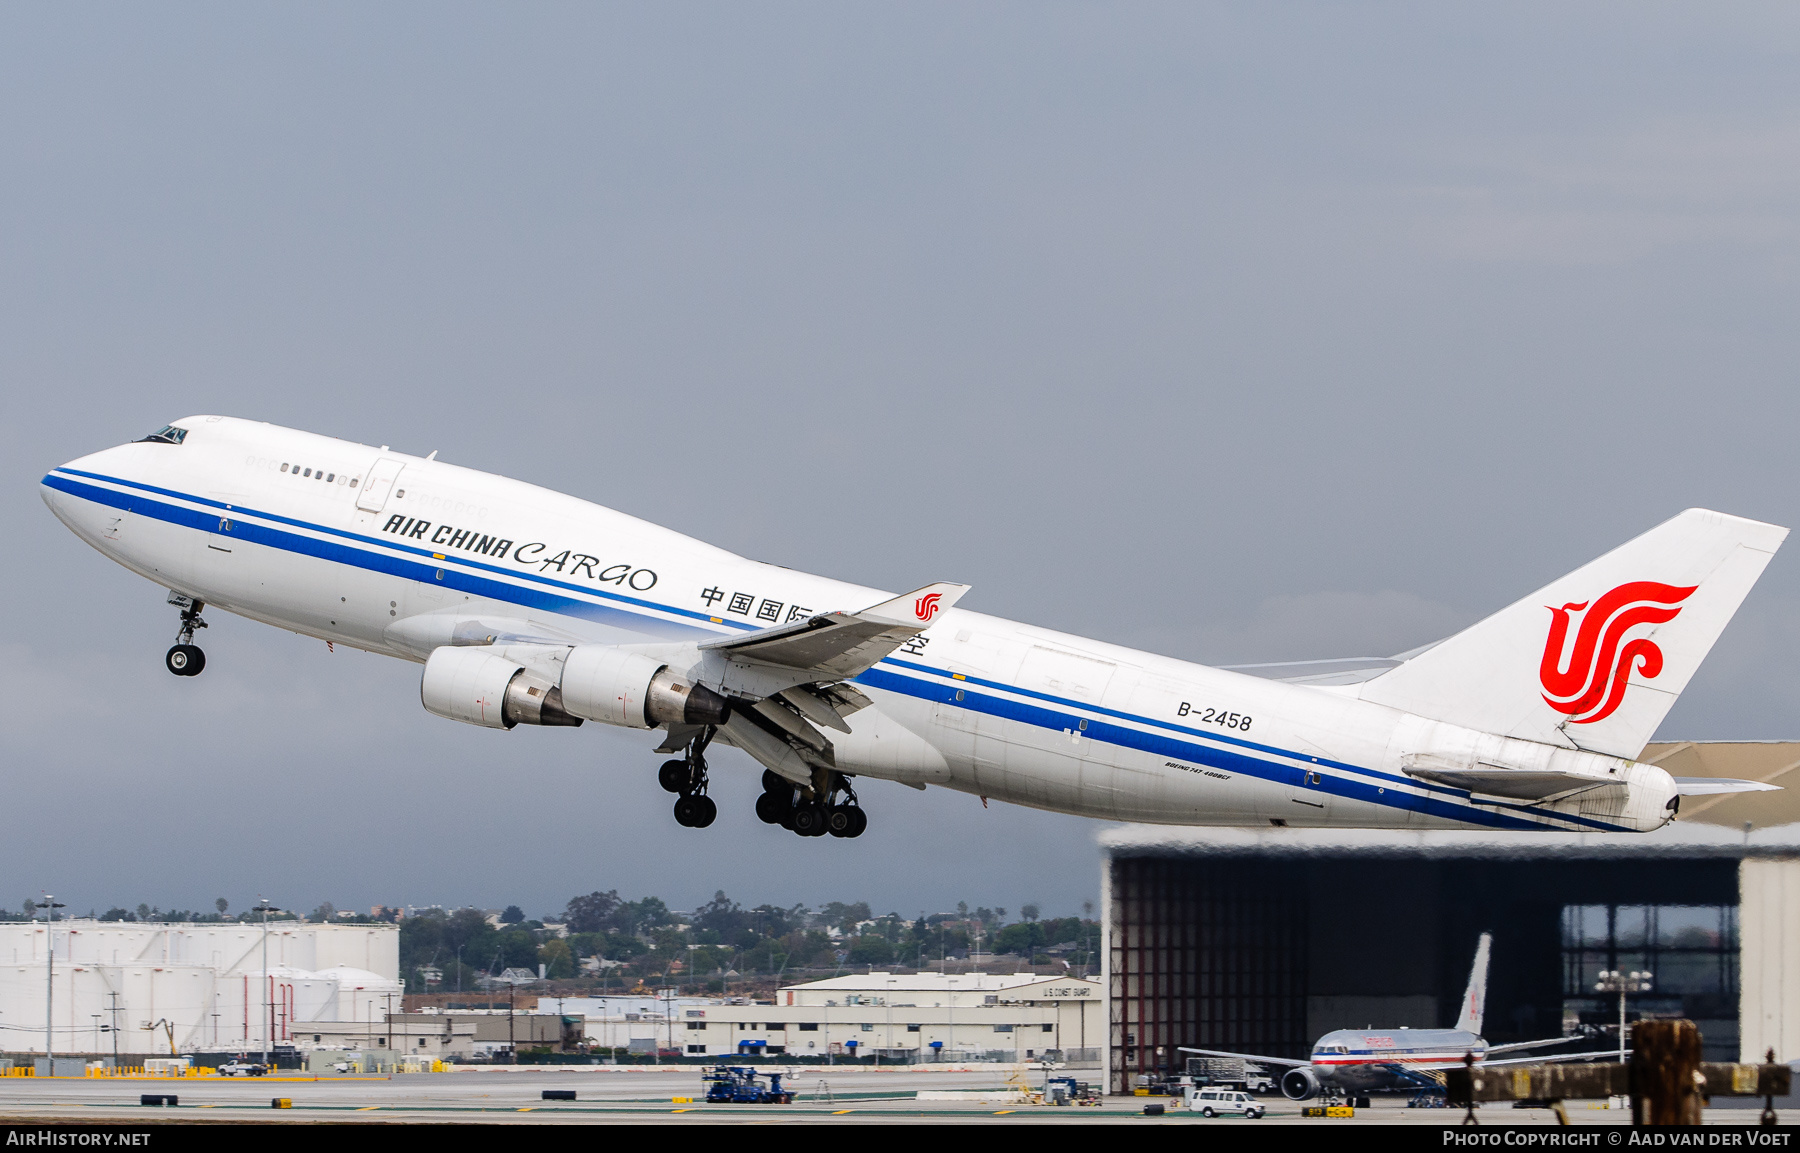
[263, 907]
[1614, 981]
[52, 904]
[890, 1013]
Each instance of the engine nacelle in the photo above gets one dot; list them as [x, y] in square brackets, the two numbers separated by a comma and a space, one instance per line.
[620, 686]
[478, 688]
[1300, 1083]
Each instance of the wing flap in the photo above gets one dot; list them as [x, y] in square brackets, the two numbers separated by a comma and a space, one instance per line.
[770, 751]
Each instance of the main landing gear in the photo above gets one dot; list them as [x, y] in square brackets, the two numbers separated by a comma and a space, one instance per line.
[186, 659]
[687, 779]
[802, 810]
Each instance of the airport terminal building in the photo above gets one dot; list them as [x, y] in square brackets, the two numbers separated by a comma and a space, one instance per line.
[1262, 940]
[899, 1017]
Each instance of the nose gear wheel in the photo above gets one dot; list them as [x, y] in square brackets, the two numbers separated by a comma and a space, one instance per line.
[186, 659]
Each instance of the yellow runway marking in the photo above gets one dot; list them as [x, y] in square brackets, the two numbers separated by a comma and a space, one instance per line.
[1004, 1112]
[683, 1110]
[841, 1112]
[368, 1108]
[526, 1108]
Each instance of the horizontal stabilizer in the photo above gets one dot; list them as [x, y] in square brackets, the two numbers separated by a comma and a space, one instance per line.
[1331, 671]
[1518, 1046]
[1518, 784]
[1710, 786]
[1560, 1058]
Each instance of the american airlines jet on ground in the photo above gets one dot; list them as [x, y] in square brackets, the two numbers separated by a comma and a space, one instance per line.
[1358, 1061]
[526, 606]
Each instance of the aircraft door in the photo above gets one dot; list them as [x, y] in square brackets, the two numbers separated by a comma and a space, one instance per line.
[970, 737]
[380, 482]
[1060, 766]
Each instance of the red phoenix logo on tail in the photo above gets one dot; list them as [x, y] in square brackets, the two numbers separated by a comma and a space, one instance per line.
[1587, 679]
[926, 606]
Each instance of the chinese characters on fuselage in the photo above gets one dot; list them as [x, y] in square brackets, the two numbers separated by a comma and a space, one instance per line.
[742, 605]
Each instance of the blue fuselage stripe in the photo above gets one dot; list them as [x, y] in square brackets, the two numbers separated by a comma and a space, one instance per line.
[549, 595]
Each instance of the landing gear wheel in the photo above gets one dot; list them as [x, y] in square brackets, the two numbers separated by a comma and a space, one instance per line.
[772, 808]
[809, 819]
[705, 812]
[185, 660]
[859, 820]
[839, 822]
[674, 776]
[774, 782]
[688, 812]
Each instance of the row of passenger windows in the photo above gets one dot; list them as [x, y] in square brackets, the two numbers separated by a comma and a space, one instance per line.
[318, 474]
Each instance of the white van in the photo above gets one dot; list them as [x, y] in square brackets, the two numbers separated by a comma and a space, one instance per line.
[1212, 1102]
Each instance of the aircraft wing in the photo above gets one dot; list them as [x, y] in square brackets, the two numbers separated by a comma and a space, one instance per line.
[829, 648]
[1287, 1062]
[838, 645]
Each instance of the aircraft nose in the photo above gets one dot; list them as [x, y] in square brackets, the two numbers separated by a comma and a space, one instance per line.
[67, 481]
[93, 462]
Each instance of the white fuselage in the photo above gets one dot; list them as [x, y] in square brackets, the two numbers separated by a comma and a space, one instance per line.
[1399, 1059]
[976, 703]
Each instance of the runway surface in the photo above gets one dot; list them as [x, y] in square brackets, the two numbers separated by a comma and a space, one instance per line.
[612, 1096]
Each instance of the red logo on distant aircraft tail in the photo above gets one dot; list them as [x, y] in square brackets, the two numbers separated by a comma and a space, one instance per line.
[1587, 679]
[926, 606]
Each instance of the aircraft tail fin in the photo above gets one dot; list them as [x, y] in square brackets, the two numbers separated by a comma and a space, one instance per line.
[1469, 1019]
[1555, 667]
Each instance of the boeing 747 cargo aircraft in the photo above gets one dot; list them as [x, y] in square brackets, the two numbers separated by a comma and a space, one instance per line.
[529, 607]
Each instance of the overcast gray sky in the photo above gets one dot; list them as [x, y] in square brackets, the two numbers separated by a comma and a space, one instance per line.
[1235, 332]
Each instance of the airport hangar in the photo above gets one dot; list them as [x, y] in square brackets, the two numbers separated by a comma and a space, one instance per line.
[1263, 940]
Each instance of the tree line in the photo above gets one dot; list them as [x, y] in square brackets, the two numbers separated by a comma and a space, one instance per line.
[604, 942]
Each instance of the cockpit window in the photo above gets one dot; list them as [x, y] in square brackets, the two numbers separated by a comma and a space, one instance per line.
[167, 434]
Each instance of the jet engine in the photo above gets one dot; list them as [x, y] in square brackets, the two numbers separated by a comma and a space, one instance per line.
[621, 686]
[479, 688]
[1300, 1083]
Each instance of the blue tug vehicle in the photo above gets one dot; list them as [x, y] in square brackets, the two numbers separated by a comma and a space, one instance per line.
[742, 1085]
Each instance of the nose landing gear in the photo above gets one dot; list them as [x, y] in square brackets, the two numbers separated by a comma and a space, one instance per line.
[687, 778]
[186, 659]
[803, 811]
